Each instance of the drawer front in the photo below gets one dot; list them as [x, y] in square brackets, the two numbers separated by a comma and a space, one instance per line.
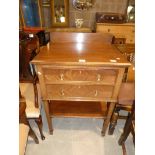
[52, 75]
[57, 91]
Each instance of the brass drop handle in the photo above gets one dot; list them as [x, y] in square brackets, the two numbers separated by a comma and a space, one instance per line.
[62, 92]
[39, 73]
[98, 77]
[96, 93]
[108, 30]
[61, 77]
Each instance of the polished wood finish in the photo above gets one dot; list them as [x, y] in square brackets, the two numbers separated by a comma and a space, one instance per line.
[80, 67]
[73, 37]
[125, 30]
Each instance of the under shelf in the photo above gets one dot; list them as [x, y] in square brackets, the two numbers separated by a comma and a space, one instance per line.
[77, 109]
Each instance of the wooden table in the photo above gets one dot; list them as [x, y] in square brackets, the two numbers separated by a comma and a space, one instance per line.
[79, 73]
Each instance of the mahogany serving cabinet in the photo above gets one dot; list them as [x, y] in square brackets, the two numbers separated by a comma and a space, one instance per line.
[78, 74]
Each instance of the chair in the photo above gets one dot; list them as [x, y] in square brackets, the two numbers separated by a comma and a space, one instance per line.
[28, 79]
[128, 128]
[25, 129]
[127, 90]
[125, 100]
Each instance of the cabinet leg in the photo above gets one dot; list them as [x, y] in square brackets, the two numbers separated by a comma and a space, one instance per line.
[49, 121]
[107, 119]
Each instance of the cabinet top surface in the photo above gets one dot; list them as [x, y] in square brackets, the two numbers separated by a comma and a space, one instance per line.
[80, 49]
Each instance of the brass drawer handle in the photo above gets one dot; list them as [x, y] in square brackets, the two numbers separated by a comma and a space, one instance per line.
[62, 92]
[108, 30]
[96, 93]
[61, 77]
[39, 73]
[98, 77]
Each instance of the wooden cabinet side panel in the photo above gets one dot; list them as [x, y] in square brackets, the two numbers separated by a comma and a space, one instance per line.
[41, 81]
[118, 83]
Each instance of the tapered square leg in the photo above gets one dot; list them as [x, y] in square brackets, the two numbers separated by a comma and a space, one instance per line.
[107, 119]
[49, 121]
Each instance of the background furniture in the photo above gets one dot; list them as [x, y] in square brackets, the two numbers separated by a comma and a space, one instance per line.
[28, 78]
[125, 100]
[24, 127]
[60, 13]
[128, 128]
[70, 29]
[28, 48]
[125, 30]
[42, 16]
[41, 33]
[83, 69]
[30, 13]
[129, 51]
[105, 17]
[127, 91]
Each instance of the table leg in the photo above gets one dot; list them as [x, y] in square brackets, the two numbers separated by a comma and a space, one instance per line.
[107, 119]
[49, 121]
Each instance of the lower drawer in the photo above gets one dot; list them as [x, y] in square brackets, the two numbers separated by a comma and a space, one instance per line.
[93, 92]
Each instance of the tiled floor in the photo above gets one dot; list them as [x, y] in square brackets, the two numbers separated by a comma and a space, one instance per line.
[77, 136]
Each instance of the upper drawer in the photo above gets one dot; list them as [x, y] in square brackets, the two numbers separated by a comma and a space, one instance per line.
[54, 75]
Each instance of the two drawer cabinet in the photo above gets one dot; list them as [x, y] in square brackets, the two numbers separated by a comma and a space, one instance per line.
[78, 82]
